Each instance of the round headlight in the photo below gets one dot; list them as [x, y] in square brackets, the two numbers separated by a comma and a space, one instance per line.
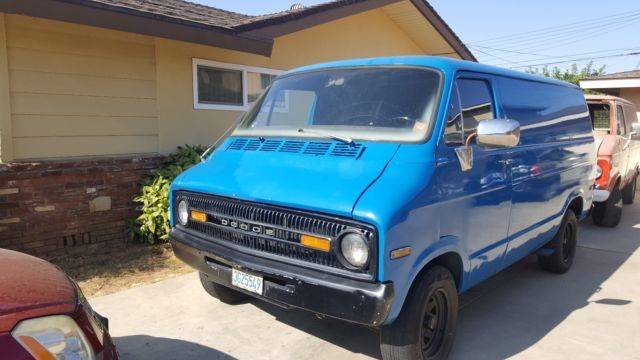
[598, 171]
[183, 212]
[355, 249]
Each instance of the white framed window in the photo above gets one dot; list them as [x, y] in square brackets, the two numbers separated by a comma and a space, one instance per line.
[223, 86]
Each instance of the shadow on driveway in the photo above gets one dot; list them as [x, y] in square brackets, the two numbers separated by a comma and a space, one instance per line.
[518, 307]
[143, 347]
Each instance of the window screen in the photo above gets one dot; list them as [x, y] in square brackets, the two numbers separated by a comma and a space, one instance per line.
[600, 116]
[219, 86]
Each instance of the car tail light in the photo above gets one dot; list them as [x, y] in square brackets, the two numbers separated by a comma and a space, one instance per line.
[605, 173]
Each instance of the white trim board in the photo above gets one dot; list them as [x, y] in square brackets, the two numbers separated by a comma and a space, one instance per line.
[610, 83]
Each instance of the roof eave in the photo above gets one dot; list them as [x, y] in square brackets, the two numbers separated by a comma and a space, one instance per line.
[270, 28]
[134, 21]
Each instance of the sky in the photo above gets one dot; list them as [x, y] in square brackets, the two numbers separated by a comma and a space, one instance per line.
[518, 34]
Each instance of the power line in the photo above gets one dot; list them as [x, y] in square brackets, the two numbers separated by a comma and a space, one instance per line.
[576, 60]
[558, 28]
[560, 38]
[524, 62]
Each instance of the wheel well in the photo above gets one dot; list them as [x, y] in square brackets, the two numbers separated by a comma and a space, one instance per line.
[452, 262]
[576, 205]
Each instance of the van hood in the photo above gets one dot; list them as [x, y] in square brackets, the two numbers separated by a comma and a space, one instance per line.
[321, 176]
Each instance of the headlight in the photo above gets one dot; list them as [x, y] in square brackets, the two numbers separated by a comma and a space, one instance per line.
[598, 171]
[355, 249]
[183, 212]
[57, 337]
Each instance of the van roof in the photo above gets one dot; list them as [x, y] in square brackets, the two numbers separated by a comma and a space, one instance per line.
[598, 97]
[448, 65]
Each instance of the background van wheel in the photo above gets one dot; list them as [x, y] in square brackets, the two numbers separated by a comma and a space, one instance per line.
[608, 213]
[426, 327]
[563, 245]
[221, 292]
[629, 191]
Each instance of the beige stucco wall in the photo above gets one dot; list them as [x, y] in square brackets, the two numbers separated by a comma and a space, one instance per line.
[79, 90]
[83, 91]
[368, 34]
[633, 95]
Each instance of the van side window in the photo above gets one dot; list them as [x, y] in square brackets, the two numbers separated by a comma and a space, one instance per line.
[630, 117]
[453, 130]
[476, 103]
[620, 120]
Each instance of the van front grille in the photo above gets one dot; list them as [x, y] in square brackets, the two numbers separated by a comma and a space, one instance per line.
[275, 232]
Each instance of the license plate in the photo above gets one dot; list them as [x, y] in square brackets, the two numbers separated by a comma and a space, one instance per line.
[246, 281]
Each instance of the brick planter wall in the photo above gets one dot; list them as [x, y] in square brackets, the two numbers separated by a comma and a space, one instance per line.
[53, 208]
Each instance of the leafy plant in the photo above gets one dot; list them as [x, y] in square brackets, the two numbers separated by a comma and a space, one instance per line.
[152, 225]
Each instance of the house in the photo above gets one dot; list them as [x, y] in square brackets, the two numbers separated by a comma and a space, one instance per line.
[94, 92]
[623, 84]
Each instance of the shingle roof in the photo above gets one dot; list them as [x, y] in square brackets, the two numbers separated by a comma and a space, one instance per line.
[179, 10]
[188, 21]
[620, 75]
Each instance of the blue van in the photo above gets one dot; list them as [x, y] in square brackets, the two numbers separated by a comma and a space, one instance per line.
[377, 190]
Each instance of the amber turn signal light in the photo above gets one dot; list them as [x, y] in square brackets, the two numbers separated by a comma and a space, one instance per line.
[198, 216]
[399, 253]
[314, 242]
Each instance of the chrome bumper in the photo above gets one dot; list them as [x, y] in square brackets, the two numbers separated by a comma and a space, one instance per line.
[600, 195]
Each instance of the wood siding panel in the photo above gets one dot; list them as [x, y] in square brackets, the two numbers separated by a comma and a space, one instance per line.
[55, 125]
[79, 91]
[74, 84]
[78, 43]
[52, 62]
[52, 104]
[80, 146]
[6, 138]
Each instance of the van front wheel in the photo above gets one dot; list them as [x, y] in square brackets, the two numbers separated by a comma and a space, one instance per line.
[425, 329]
[564, 246]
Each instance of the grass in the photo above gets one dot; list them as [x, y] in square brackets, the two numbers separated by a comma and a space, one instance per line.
[133, 265]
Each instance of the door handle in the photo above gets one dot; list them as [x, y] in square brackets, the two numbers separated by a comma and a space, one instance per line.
[506, 161]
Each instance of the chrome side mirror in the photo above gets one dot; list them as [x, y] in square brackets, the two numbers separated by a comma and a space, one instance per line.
[498, 133]
[635, 131]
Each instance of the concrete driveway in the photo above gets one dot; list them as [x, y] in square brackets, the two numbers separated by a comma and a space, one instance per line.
[593, 312]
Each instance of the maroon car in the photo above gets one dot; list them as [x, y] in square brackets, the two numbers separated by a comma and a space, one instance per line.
[44, 316]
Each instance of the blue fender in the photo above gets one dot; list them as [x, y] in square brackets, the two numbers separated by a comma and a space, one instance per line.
[444, 245]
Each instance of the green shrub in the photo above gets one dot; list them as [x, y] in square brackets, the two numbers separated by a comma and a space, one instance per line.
[152, 225]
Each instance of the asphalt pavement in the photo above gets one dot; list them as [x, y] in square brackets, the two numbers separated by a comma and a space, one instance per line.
[592, 312]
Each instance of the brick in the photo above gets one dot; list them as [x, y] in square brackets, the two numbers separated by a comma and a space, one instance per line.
[44, 208]
[9, 221]
[60, 199]
[9, 191]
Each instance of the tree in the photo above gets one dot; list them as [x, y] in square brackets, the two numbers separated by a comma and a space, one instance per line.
[572, 75]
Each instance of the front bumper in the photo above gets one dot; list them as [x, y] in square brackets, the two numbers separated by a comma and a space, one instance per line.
[600, 195]
[288, 285]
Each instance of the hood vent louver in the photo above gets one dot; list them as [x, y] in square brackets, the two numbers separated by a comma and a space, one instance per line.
[317, 148]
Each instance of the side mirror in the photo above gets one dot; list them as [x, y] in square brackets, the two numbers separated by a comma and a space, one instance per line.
[498, 133]
[635, 131]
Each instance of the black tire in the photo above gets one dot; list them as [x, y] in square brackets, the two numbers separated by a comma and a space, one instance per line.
[629, 192]
[608, 213]
[563, 244]
[221, 292]
[425, 329]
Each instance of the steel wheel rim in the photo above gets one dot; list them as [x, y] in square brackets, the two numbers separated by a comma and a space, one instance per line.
[434, 322]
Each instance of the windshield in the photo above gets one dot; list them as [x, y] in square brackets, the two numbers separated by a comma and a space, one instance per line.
[393, 104]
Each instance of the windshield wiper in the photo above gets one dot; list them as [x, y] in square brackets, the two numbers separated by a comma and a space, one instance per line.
[343, 139]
